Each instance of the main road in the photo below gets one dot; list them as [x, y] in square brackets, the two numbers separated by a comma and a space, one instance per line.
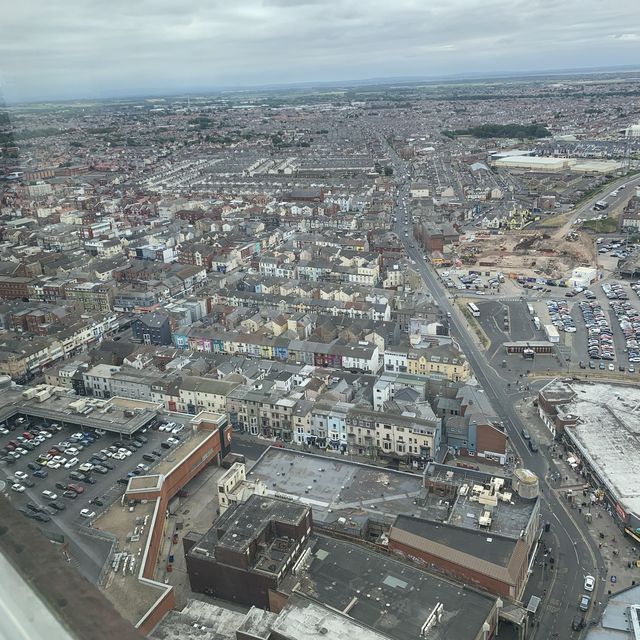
[573, 550]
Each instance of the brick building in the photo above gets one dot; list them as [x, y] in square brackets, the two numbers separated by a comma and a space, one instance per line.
[243, 557]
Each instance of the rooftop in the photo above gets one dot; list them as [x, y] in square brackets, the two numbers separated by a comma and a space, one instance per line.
[131, 528]
[120, 415]
[238, 528]
[335, 487]
[613, 452]
[387, 595]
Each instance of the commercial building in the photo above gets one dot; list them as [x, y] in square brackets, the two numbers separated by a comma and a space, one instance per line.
[608, 458]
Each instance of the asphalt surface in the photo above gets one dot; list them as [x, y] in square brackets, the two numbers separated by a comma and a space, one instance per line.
[87, 553]
[575, 553]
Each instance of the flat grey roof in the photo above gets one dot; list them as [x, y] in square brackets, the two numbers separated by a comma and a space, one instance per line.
[56, 409]
[608, 437]
[334, 487]
[485, 545]
[387, 595]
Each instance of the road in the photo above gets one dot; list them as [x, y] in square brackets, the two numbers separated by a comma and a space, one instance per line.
[585, 210]
[574, 552]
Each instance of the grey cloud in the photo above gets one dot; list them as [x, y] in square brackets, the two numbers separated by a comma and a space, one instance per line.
[69, 48]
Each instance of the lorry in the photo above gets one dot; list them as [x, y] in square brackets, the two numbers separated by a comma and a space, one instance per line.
[551, 333]
[536, 322]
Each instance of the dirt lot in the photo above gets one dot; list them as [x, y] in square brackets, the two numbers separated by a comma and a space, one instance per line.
[533, 253]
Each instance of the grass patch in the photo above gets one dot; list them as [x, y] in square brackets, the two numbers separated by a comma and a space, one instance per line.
[473, 323]
[606, 225]
[554, 222]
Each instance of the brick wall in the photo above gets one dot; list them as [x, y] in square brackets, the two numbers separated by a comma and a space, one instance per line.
[465, 574]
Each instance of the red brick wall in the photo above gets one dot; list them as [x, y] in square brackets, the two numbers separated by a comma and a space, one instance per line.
[154, 616]
[490, 439]
[465, 574]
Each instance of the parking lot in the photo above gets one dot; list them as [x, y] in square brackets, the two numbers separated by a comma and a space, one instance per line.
[50, 460]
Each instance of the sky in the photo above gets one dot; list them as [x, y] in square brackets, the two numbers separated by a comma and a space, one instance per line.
[65, 49]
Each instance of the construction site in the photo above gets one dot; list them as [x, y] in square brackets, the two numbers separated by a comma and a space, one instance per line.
[534, 253]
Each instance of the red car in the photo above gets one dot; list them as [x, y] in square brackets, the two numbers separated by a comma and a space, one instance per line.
[27, 435]
[75, 487]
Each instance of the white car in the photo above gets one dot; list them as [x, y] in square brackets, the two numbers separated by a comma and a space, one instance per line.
[173, 440]
[21, 475]
[178, 429]
[106, 452]
[118, 456]
[144, 467]
[72, 463]
[50, 495]
[87, 466]
[46, 434]
[52, 464]
[38, 440]
[17, 487]
[71, 451]
[85, 513]
[589, 583]
[124, 452]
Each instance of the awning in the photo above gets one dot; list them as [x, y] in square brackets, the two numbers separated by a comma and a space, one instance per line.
[632, 533]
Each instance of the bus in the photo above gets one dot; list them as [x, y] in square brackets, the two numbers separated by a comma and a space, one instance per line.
[473, 310]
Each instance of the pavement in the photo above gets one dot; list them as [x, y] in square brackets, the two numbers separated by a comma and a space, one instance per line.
[575, 551]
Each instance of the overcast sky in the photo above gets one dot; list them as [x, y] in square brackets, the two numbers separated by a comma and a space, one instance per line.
[89, 48]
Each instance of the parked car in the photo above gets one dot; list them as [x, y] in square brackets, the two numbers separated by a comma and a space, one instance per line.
[585, 601]
[589, 583]
[72, 495]
[87, 513]
[58, 506]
